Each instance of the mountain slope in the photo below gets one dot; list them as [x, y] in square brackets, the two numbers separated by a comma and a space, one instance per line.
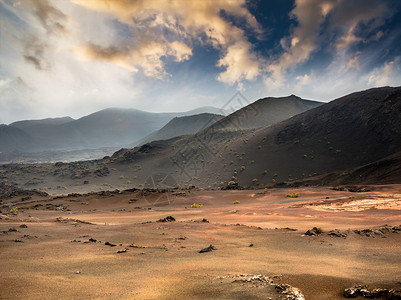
[13, 139]
[384, 171]
[203, 110]
[265, 112]
[27, 124]
[348, 132]
[112, 127]
[182, 126]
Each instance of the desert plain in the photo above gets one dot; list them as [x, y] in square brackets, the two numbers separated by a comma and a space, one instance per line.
[145, 244]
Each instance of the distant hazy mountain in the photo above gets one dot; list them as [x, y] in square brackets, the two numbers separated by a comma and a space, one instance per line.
[182, 126]
[265, 111]
[204, 109]
[112, 127]
[13, 139]
[28, 124]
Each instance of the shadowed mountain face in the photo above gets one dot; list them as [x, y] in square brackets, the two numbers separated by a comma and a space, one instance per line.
[384, 171]
[265, 112]
[349, 132]
[182, 126]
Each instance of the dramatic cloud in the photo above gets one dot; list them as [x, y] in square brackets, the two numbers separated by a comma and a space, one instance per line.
[382, 76]
[170, 28]
[298, 47]
[349, 22]
[73, 57]
[148, 55]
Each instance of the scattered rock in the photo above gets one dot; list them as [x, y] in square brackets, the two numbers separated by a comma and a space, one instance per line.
[23, 226]
[208, 249]
[289, 229]
[122, 251]
[78, 272]
[358, 189]
[363, 291]
[102, 172]
[338, 188]
[92, 240]
[258, 280]
[110, 244]
[336, 233]
[167, 219]
[394, 295]
[250, 245]
[369, 232]
[205, 220]
[12, 229]
[292, 293]
[136, 246]
[18, 241]
[26, 198]
[314, 231]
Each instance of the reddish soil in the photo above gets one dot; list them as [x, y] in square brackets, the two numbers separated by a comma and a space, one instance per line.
[162, 259]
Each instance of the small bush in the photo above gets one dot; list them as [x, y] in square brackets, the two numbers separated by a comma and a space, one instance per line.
[196, 205]
[236, 202]
[255, 180]
[292, 195]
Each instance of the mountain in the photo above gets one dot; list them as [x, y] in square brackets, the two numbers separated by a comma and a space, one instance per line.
[203, 110]
[346, 133]
[182, 126]
[384, 171]
[28, 124]
[265, 112]
[14, 139]
[112, 127]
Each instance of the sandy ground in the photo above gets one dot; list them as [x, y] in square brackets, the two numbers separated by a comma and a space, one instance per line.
[56, 256]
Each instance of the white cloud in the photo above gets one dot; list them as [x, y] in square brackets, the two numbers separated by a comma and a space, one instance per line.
[342, 19]
[186, 23]
[303, 41]
[384, 75]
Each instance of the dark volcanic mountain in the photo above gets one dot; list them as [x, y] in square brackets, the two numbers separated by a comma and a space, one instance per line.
[349, 132]
[265, 112]
[182, 126]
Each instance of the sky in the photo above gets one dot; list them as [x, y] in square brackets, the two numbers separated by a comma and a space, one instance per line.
[75, 57]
